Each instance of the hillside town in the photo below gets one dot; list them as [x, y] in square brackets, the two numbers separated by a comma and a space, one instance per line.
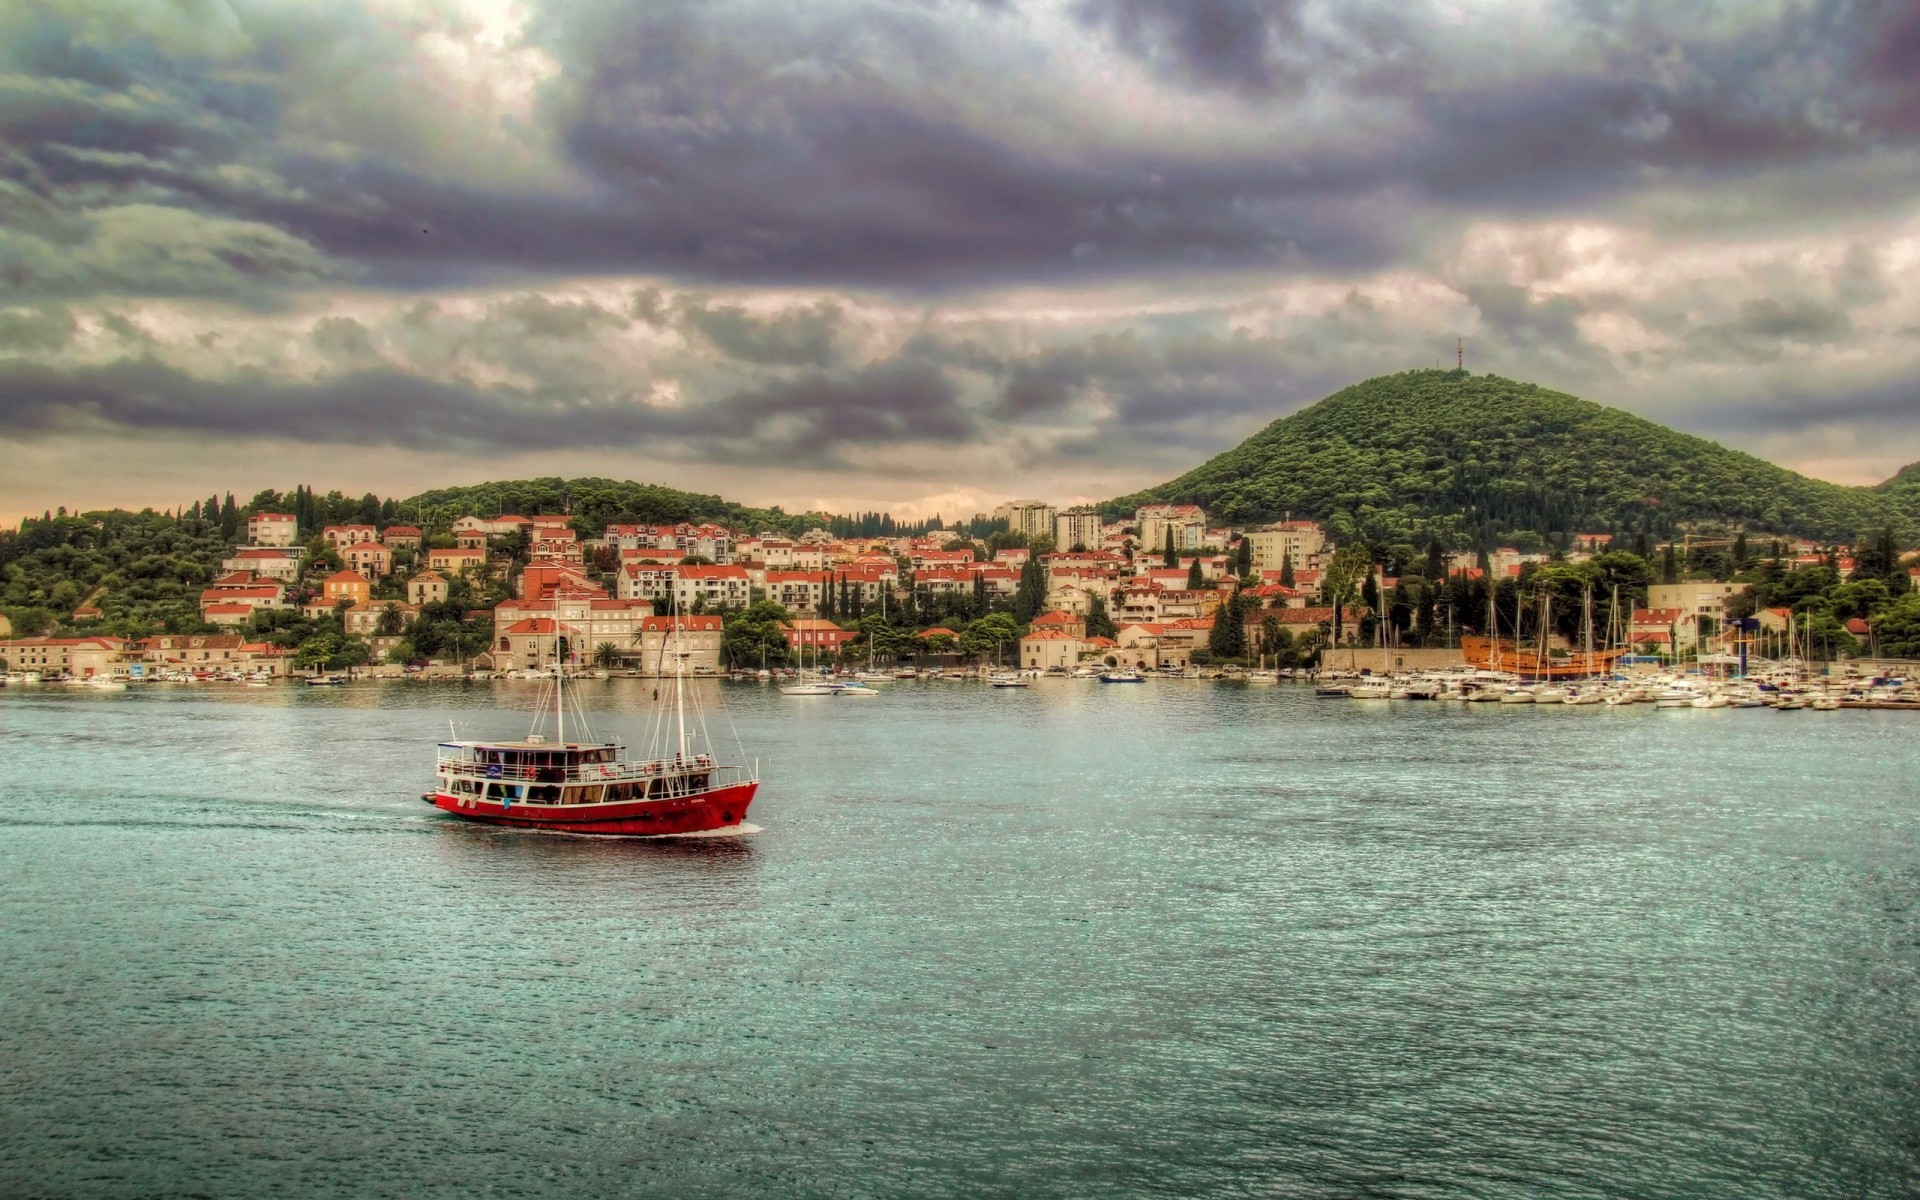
[1046, 588]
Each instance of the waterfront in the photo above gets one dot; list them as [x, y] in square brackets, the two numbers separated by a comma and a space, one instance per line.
[1177, 939]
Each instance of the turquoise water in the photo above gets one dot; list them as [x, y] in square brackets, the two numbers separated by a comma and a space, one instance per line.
[1166, 940]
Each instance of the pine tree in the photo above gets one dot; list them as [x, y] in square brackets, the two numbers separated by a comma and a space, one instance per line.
[1099, 623]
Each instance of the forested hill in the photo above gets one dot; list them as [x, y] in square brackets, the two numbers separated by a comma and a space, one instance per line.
[1477, 457]
[593, 503]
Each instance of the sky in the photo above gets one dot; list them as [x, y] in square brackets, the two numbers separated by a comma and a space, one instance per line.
[925, 255]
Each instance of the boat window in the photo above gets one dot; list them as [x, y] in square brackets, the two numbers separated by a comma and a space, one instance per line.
[543, 795]
[697, 783]
[657, 788]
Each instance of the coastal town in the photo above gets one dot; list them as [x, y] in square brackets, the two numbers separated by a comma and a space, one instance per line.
[1031, 587]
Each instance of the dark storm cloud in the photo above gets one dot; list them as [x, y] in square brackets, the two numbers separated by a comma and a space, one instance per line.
[849, 144]
[808, 421]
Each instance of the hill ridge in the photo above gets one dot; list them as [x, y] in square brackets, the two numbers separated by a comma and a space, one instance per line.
[1397, 457]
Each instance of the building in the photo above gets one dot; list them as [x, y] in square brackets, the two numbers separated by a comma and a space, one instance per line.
[1665, 629]
[81, 657]
[455, 561]
[428, 587]
[1699, 599]
[1063, 622]
[1077, 528]
[1186, 522]
[595, 621]
[272, 529]
[1049, 649]
[1033, 518]
[338, 536]
[371, 559]
[695, 636]
[817, 637]
[349, 587]
[282, 565]
[1285, 542]
[711, 587]
[363, 620]
[227, 603]
[401, 537]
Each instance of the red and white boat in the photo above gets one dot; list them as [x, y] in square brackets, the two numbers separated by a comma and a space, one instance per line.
[586, 786]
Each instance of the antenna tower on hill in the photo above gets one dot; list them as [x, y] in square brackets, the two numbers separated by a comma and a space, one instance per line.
[1460, 354]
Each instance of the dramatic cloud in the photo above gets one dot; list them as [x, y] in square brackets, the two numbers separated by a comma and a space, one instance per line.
[919, 246]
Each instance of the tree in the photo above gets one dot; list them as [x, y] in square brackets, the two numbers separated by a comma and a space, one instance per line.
[1228, 639]
[1172, 559]
[984, 637]
[1669, 566]
[1031, 598]
[1099, 623]
[754, 635]
[1339, 583]
[1896, 628]
[1243, 557]
[606, 655]
[1286, 569]
[1196, 579]
[392, 620]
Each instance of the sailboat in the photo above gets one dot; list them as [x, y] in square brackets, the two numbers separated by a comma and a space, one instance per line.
[584, 785]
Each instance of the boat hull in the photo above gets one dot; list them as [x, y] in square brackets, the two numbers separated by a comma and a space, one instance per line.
[702, 812]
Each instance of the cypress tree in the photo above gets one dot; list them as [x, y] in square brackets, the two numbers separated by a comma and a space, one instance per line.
[1243, 561]
[1195, 579]
[1171, 559]
[1286, 569]
[1032, 596]
[1669, 566]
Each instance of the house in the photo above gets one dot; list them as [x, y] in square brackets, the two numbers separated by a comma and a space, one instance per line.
[798, 591]
[695, 637]
[1186, 522]
[532, 643]
[369, 558]
[348, 586]
[1048, 649]
[428, 587]
[454, 562]
[81, 657]
[544, 577]
[818, 636]
[401, 537]
[643, 579]
[1672, 629]
[1696, 598]
[283, 565]
[711, 587]
[596, 619]
[364, 620]
[219, 652]
[1061, 622]
[339, 536]
[1775, 620]
[231, 603]
[272, 529]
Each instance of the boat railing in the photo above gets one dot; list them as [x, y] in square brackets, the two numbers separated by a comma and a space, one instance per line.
[607, 772]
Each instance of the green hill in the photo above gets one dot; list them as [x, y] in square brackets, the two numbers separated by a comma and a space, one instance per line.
[1397, 457]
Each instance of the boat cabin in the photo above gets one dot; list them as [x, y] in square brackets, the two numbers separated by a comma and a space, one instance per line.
[540, 772]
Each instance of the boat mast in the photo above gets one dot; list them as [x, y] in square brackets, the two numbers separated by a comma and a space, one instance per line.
[1586, 620]
[559, 676]
[679, 686]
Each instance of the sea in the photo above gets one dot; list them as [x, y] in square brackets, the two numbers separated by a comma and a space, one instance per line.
[1176, 939]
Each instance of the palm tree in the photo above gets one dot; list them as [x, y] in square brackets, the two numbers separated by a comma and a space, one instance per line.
[391, 620]
[606, 654]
